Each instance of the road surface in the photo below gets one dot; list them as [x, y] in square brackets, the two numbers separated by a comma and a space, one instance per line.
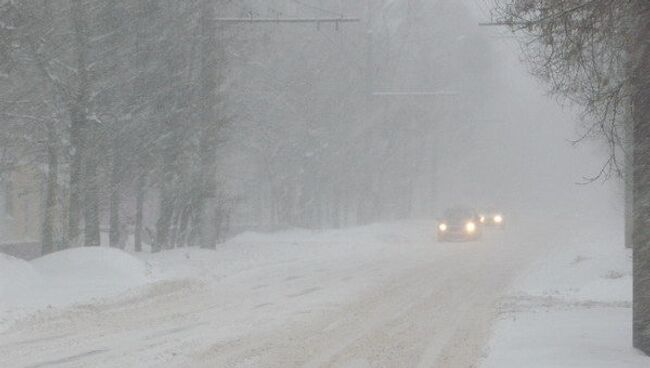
[401, 301]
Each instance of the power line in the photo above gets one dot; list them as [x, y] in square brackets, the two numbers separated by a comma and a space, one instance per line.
[416, 94]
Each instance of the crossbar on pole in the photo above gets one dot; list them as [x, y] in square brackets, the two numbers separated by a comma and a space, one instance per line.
[288, 20]
[498, 24]
[415, 94]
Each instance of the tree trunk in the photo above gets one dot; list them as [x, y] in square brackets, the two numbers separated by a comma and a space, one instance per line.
[76, 179]
[176, 219]
[91, 202]
[114, 231]
[165, 218]
[49, 221]
[182, 227]
[208, 140]
[78, 135]
[139, 211]
[641, 189]
[629, 184]
[167, 186]
[139, 95]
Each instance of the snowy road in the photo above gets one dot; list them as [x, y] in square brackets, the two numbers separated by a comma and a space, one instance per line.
[380, 296]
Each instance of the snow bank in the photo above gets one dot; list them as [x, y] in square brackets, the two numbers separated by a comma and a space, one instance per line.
[84, 273]
[16, 276]
[80, 275]
[66, 278]
[262, 251]
[573, 309]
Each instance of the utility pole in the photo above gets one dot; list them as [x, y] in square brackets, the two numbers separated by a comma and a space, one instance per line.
[369, 61]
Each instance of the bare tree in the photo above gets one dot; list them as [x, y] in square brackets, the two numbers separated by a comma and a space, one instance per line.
[595, 53]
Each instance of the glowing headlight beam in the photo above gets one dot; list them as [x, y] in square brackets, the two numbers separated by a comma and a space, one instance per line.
[442, 227]
[498, 219]
[470, 227]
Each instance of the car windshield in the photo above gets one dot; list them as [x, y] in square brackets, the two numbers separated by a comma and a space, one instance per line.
[324, 183]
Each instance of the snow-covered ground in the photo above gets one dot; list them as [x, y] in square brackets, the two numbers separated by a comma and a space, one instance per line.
[65, 278]
[385, 295]
[380, 295]
[572, 308]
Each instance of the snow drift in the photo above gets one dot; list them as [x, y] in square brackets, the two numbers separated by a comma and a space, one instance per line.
[66, 278]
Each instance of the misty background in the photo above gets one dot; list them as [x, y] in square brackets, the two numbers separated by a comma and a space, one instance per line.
[233, 183]
[324, 154]
[410, 110]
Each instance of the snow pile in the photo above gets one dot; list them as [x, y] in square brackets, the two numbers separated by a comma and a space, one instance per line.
[16, 276]
[572, 310]
[262, 253]
[294, 260]
[84, 273]
[65, 278]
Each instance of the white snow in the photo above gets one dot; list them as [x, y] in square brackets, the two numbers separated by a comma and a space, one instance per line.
[65, 278]
[571, 309]
[16, 276]
[88, 275]
[379, 295]
[311, 298]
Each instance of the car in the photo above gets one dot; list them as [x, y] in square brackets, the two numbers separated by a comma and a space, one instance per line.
[459, 224]
[492, 218]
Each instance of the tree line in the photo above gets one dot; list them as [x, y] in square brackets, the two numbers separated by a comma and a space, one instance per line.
[114, 99]
[150, 118]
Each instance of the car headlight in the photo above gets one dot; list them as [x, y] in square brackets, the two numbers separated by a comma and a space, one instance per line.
[498, 219]
[482, 219]
[470, 227]
[442, 227]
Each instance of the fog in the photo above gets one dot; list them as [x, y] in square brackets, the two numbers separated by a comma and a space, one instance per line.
[487, 135]
[408, 110]
[300, 183]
